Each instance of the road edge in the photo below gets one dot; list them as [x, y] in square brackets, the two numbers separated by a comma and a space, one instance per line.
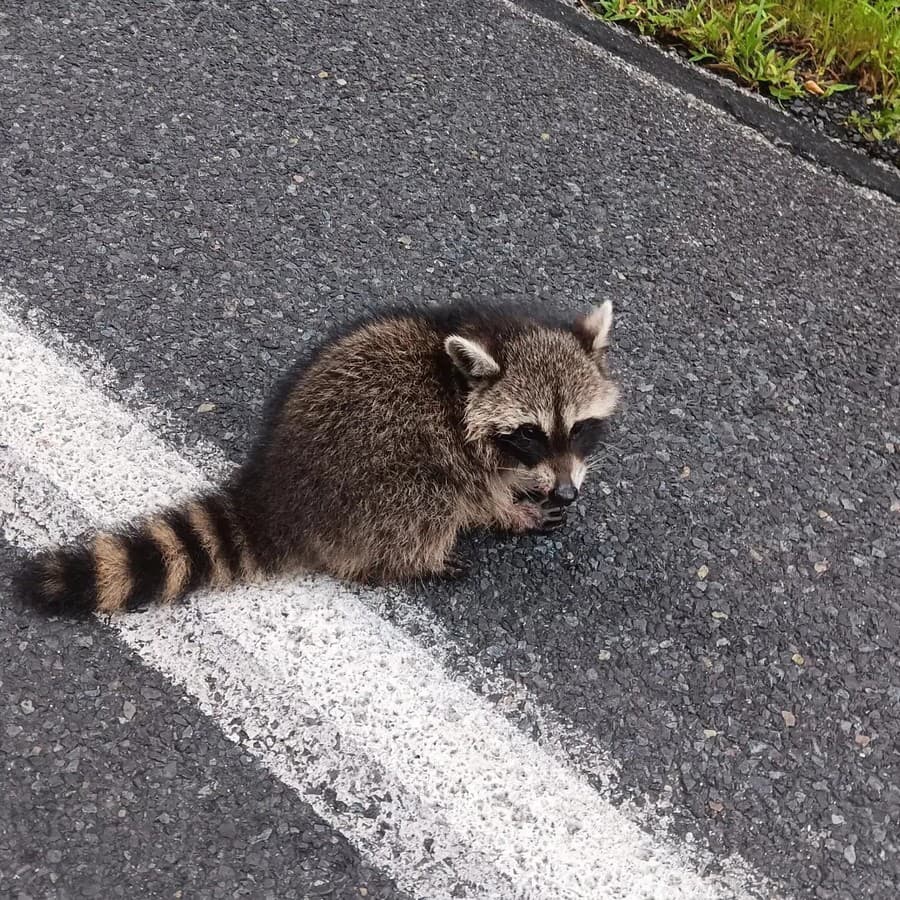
[752, 110]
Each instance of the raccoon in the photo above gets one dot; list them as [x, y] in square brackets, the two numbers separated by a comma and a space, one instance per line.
[376, 453]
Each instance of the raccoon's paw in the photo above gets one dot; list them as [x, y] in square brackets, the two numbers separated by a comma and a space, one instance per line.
[521, 517]
[456, 567]
[541, 516]
[553, 517]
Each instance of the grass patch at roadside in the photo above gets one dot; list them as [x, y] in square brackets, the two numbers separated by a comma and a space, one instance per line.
[792, 48]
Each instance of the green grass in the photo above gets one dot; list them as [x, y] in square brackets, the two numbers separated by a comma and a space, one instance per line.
[791, 48]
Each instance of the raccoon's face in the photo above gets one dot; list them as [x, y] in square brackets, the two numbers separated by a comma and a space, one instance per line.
[540, 398]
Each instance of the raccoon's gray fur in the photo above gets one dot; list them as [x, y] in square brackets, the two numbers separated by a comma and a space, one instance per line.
[377, 453]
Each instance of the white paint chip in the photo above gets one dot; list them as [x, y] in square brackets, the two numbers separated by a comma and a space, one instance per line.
[429, 781]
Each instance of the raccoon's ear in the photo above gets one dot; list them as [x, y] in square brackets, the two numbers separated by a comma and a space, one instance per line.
[470, 357]
[593, 328]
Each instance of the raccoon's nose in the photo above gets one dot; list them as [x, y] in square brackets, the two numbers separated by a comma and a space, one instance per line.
[564, 494]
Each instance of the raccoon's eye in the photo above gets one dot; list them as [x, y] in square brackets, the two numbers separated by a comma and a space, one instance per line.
[531, 432]
[528, 444]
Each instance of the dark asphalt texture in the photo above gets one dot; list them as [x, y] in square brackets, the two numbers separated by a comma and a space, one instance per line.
[197, 190]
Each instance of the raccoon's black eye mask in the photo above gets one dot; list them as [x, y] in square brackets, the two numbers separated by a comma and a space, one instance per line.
[528, 444]
[587, 434]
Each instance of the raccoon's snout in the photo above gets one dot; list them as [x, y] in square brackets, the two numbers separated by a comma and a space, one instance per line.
[564, 494]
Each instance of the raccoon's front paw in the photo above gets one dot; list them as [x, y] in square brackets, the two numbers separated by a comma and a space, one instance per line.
[522, 517]
[456, 567]
[541, 516]
[553, 517]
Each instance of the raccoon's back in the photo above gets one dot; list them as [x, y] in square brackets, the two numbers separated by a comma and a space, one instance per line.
[371, 426]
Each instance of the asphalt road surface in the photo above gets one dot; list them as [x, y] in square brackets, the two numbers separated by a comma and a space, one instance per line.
[189, 195]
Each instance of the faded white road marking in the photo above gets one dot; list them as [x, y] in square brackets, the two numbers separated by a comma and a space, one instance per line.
[423, 776]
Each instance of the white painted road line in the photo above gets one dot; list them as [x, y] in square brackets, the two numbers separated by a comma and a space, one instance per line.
[329, 696]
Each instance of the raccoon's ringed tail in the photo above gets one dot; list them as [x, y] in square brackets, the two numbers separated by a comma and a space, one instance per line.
[220, 575]
[160, 559]
[112, 573]
[175, 557]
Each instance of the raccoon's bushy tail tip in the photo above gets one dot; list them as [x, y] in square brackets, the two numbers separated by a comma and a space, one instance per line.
[55, 581]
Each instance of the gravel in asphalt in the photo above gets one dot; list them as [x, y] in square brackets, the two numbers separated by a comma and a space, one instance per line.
[197, 191]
